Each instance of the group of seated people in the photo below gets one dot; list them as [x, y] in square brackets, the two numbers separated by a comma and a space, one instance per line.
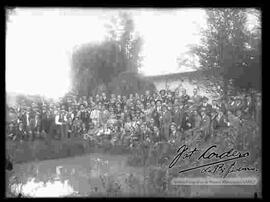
[165, 115]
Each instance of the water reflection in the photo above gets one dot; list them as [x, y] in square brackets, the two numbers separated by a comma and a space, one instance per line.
[63, 182]
[31, 188]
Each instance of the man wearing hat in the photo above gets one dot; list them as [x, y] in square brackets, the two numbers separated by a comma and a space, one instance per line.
[95, 115]
[159, 105]
[155, 96]
[144, 133]
[147, 97]
[165, 120]
[91, 101]
[69, 127]
[37, 122]
[186, 121]
[104, 115]
[59, 120]
[157, 113]
[84, 116]
[207, 108]
[248, 107]
[70, 113]
[105, 100]
[175, 136]
[51, 122]
[184, 97]
[11, 132]
[163, 96]
[32, 127]
[118, 110]
[77, 126]
[205, 125]
[219, 121]
[196, 98]
[43, 120]
[169, 97]
[196, 122]
[153, 103]
[21, 134]
[177, 115]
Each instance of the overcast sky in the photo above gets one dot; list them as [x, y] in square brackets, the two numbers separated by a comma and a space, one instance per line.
[39, 43]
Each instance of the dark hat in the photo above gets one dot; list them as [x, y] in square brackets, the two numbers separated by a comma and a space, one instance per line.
[158, 100]
[35, 108]
[202, 110]
[162, 90]
[118, 103]
[205, 98]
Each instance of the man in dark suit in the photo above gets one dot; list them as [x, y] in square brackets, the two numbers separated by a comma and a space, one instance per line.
[184, 97]
[196, 98]
[177, 114]
[205, 106]
[21, 133]
[163, 95]
[44, 121]
[220, 121]
[205, 125]
[11, 131]
[165, 120]
[175, 136]
[157, 113]
[186, 121]
[32, 127]
[37, 124]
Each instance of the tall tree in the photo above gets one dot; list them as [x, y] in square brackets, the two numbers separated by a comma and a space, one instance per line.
[224, 50]
[122, 31]
[94, 65]
[252, 75]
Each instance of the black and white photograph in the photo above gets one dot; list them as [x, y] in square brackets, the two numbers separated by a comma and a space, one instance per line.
[133, 102]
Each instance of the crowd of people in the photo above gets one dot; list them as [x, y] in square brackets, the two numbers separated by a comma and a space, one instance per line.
[170, 116]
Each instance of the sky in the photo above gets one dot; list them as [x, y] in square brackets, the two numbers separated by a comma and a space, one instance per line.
[40, 42]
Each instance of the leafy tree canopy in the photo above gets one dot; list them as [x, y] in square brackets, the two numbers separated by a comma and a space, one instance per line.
[95, 65]
[229, 51]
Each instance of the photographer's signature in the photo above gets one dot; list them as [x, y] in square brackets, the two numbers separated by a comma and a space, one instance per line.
[213, 167]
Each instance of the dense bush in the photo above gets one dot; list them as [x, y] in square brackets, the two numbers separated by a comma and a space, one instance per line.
[130, 82]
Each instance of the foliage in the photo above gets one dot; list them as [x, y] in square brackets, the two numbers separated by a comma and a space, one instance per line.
[252, 75]
[228, 50]
[94, 65]
[130, 82]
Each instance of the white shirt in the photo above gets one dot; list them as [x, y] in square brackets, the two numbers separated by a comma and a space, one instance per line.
[57, 120]
[94, 114]
[27, 119]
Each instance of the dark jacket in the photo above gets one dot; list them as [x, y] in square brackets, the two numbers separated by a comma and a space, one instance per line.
[219, 123]
[186, 122]
[178, 117]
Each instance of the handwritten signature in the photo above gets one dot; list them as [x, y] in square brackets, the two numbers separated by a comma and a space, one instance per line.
[213, 167]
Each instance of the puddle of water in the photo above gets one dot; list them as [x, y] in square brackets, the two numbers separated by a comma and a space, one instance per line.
[32, 188]
[69, 177]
